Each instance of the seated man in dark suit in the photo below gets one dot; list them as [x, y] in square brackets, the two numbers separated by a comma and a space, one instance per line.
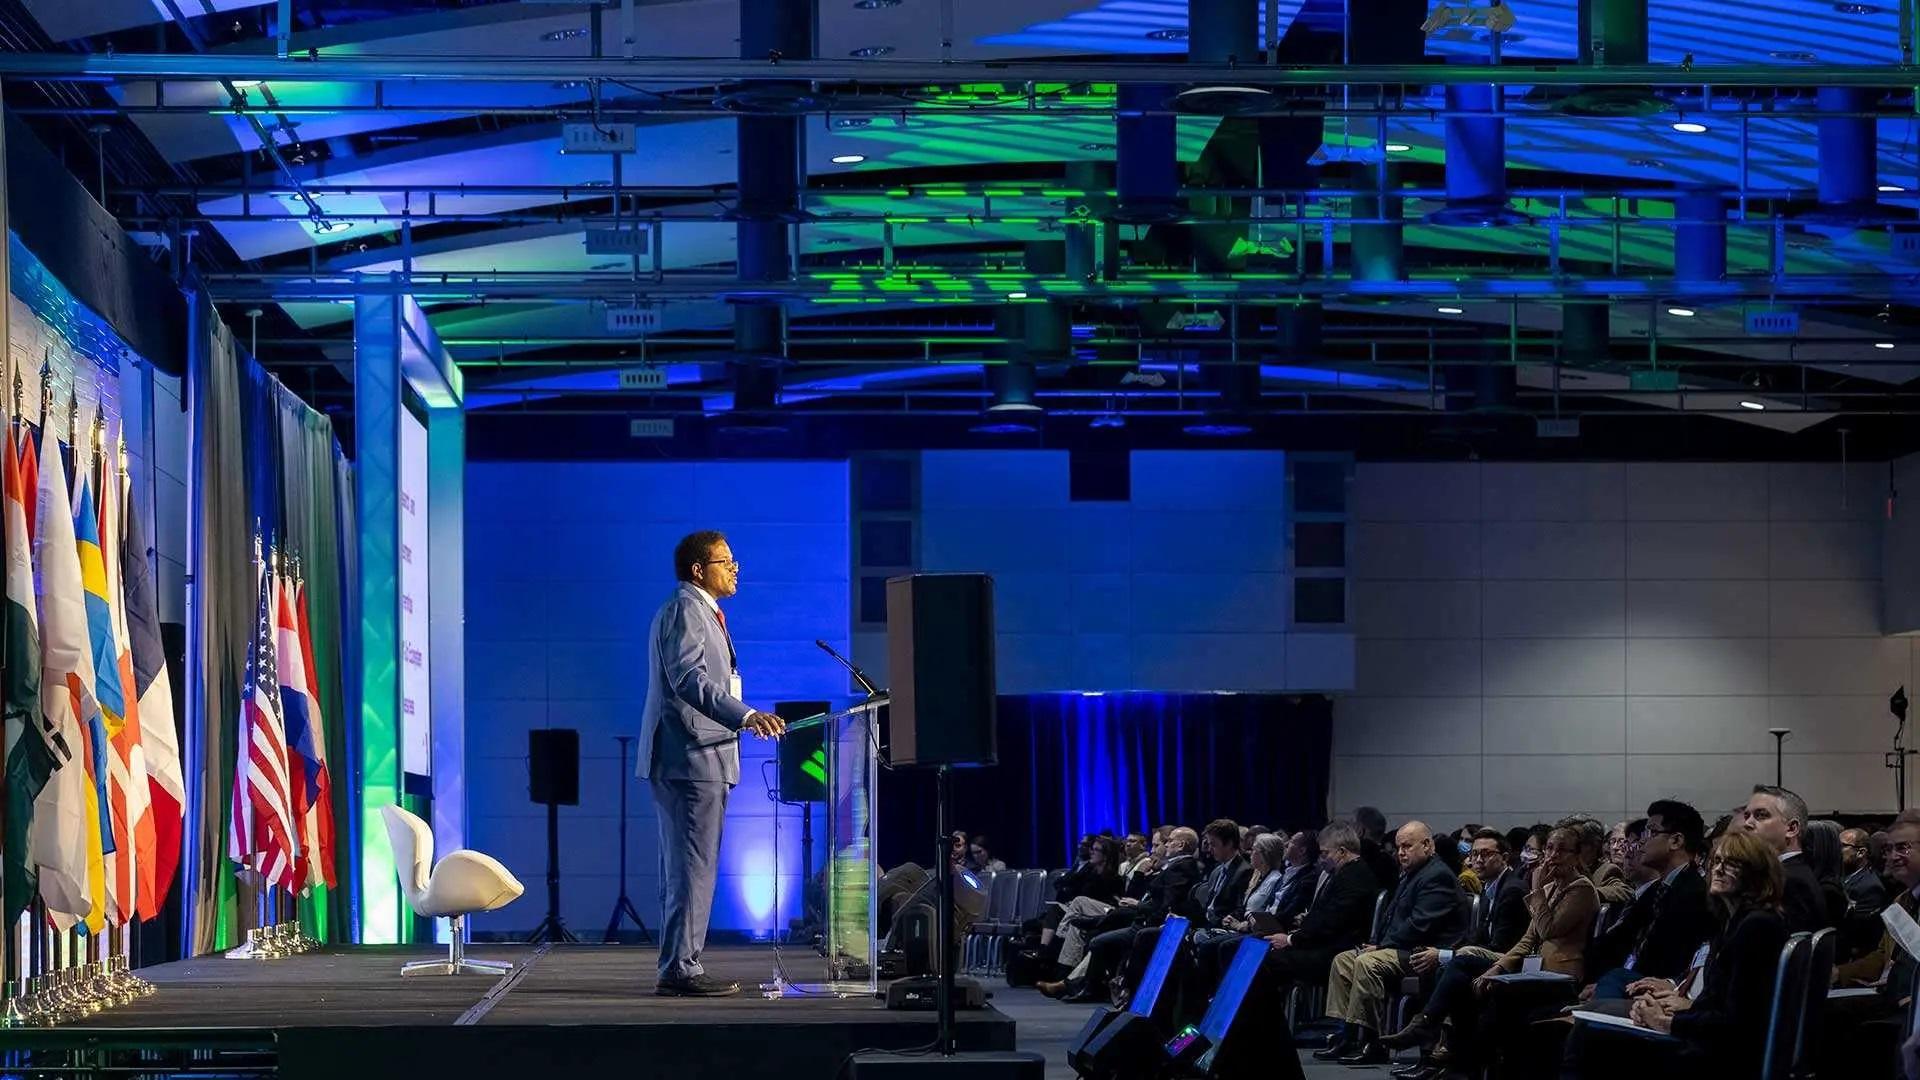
[1427, 908]
[1778, 817]
[1339, 917]
[1171, 893]
[1659, 933]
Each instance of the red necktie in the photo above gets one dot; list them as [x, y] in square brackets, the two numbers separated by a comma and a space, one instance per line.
[722, 616]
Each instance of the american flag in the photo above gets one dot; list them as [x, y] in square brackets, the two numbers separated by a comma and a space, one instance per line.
[262, 835]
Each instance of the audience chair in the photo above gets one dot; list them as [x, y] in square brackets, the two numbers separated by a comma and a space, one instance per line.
[1806, 1047]
[460, 884]
[973, 949]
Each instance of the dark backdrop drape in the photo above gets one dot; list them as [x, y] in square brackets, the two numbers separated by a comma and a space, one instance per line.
[1072, 764]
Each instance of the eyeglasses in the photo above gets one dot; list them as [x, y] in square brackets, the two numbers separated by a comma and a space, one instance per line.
[731, 564]
[1904, 847]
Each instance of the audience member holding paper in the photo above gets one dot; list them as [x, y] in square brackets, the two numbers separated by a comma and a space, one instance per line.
[1718, 1017]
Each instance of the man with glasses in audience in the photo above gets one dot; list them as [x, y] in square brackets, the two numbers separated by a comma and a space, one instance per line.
[1666, 923]
[1862, 882]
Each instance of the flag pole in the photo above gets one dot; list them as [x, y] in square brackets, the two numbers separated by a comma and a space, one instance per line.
[10, 1015]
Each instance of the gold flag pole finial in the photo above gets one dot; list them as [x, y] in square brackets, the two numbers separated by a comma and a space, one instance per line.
[46, 390]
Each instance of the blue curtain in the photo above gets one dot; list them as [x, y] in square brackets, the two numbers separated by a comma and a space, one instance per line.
[1072, 764]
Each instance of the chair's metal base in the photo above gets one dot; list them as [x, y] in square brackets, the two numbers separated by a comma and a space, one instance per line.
[456, 962]
[462, 966]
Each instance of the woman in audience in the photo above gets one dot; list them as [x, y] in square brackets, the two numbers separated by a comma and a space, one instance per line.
[1720, 1030]
[1268, 877]
[1820, 846]
[1562, 903]
[1097, 878]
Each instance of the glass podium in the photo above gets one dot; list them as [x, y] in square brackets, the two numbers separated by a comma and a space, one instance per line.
[849, 940]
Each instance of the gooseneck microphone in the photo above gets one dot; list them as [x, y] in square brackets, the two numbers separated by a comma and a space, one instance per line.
[858, 675]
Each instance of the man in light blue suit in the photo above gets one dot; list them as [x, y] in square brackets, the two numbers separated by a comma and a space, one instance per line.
[690, 751]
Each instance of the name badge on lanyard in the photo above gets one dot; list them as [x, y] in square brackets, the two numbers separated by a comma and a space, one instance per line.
[733, 686]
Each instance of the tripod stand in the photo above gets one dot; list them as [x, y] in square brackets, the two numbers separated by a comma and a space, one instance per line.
[551, 929]
[622, 904]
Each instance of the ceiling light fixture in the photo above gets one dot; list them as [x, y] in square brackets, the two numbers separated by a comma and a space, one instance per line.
[1398, 148]
[1097, 147]
[571, 33]
[1451, 310]
[1891, 188]
[1168, 33]
[1681, 312]
[869, 52]
[849, 159]
[1016, 296]
[245, 84]
[1754, 405]
[1690, 127]
[1856, 9]
[1883, 344]
[852, 121]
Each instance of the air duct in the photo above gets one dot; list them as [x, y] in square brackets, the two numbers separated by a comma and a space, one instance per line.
[1378, 247]
[1223, 32]
[1476, 160]
[1048, 333]
[1093, 244]
[1613, 33]
[769, 149]
[1699, 237]
[1586, 337]
[1146, 170]
[1849, 156]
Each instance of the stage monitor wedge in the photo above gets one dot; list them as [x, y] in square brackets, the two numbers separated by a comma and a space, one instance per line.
[940, 658]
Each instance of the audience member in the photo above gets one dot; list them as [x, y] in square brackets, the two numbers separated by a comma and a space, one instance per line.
[1617, 848]
[1132, 850]
[1098, 875]
[1224, 889]
[1373, 843]
[980, 857]
[1339, 915]
[1820, 846]
[1250, 833]
[1720, 1028]
[1503, 904]
[1517, 843]
[1171, 892]
[1638, 873]
[1659, 932]
[1425, 909]
[1607, 879]
[1778, 817]
[1561, 905]
[1860, 872]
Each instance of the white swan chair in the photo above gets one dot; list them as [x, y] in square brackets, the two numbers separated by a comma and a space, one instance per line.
[462, 883]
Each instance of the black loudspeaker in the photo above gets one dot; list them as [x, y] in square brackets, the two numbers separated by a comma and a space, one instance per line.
[553, 766]
[940, 658]
[802, 753]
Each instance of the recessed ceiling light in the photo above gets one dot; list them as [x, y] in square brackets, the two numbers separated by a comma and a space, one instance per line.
[1398, 148]
[570, 84]
[849, 159]
[1883, 344]
[1754, 405]
[1690, 127]
[1451, 310]
[1891, 187]
[1681, 312]
[571, 33]
[869, 52]
[1168, 33]
[1016, 295]
[874, 5]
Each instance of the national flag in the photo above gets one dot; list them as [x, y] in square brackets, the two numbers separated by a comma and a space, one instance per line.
[110, 693]
[132, 867]
[320, 813]
[296, 702]
[262, 837]
[153, 690]
[30, 760]
[65, 836]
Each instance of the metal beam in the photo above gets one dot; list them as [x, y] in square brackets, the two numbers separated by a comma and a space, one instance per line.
[902, 286]
[870, 74]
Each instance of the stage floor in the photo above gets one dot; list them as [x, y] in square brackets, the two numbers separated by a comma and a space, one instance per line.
[347, 1012]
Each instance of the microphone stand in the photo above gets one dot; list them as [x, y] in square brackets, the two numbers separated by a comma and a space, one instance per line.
[853, 669]
[1897, 758]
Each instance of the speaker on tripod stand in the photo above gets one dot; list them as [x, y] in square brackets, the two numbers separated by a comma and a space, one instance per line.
[553, 780]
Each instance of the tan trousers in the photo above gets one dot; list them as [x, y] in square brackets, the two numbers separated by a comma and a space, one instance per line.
[1357, 989]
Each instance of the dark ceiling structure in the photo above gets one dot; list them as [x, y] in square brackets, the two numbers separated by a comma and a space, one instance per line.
[1639, 228]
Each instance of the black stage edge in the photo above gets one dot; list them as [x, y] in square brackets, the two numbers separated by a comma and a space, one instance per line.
[579, 1010]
